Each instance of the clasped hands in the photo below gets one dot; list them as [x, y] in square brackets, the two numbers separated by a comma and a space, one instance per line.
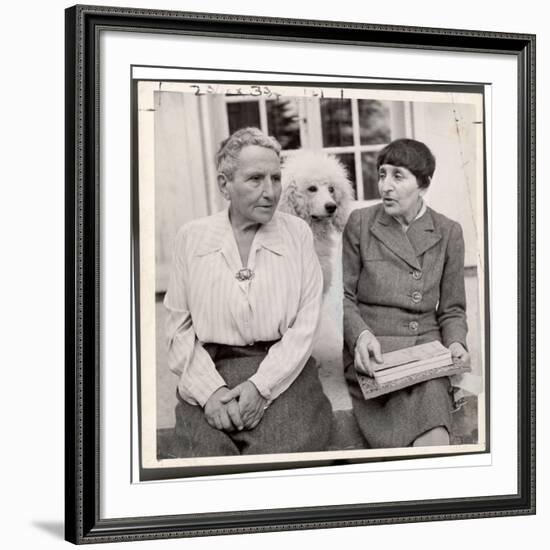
[368, 352]
[234, 410]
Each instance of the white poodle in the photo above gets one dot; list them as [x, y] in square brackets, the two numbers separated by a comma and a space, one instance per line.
[317, 189]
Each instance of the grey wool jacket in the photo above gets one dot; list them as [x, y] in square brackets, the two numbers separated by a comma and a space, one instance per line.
[406, 288]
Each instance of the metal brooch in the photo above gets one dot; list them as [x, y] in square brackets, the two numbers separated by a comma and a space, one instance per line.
[244, 274]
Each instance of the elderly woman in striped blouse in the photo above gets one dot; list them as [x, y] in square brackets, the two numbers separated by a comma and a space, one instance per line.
[244, 301]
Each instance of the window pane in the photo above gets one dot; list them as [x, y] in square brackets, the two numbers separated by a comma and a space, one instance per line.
[336, 122]
[370, 176]
[348, 160]
[374, 121]
[243, 114]
[283, 122]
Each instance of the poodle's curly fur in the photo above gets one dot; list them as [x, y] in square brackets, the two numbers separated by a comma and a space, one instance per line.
[316, 188]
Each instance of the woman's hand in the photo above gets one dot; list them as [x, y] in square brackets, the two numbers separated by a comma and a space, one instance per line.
[459, 352]
[367, 350]
[251, 403]
[221, 413]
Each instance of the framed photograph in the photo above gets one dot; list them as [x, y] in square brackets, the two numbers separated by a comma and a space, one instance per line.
[294, 252]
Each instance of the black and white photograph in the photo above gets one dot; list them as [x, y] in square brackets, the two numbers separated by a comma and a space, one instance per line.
[269, 275]
[300, 275]
[310, 271]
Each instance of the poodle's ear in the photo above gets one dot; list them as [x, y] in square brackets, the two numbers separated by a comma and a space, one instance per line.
[341, 217]
[293, 202]
[343, 194]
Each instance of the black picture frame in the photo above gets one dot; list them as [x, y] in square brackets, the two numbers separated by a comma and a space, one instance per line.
[82, 496]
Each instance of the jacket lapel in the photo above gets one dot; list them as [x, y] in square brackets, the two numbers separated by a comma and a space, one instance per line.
[389, 232]
[423, 234]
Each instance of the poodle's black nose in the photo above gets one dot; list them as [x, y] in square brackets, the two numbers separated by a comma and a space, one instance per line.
[330, 207]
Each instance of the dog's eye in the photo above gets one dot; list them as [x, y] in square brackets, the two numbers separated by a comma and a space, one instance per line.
[312, 188]
[331, 189]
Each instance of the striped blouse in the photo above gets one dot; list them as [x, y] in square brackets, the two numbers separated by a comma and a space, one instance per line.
[206, 303]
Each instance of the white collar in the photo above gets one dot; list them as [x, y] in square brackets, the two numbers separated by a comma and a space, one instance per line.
[219, 235]
[421, 212]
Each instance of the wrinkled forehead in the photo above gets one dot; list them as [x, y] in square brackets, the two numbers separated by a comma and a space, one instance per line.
[255, 157]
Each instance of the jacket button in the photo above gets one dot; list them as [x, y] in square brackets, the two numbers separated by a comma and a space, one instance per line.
[417, 274]
[416, 297]
[413, 325]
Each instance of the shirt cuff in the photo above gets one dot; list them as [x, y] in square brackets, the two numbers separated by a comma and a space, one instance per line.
[261, 385]
[203, 395]
[454, 335]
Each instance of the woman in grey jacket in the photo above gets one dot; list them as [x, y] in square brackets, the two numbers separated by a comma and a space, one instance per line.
[403, 285]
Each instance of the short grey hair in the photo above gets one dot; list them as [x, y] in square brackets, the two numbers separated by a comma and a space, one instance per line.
[228, 153]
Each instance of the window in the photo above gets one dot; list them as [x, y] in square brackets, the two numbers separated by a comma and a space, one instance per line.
[353, 130]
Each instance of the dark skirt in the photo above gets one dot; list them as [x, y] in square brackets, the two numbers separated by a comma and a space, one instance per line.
[299, 420]
[398, 418]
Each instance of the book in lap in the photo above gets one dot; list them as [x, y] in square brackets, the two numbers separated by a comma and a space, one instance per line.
[408, 366]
